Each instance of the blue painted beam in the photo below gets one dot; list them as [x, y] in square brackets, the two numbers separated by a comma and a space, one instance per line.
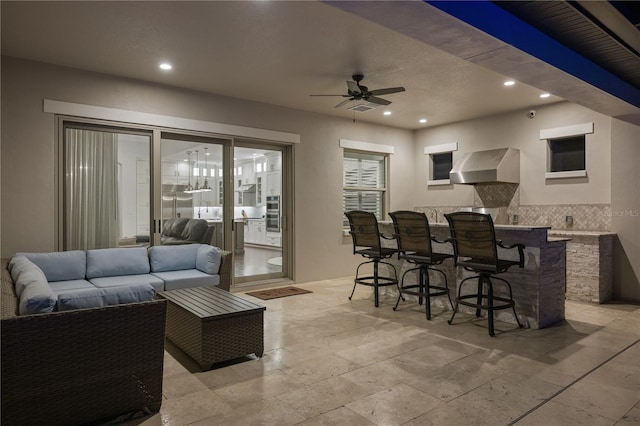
[497, 22]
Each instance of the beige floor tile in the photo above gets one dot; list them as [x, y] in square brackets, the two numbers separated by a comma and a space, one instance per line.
[192, 407]
[323, 396]
[394, 406]
[631, 418]
[267, 386]
[326, 355]
[181, 384]
[378, 376]
[595, 397]
[338, 417]
[555, 414]
[446, 382]
[262, 412]
[320, 368]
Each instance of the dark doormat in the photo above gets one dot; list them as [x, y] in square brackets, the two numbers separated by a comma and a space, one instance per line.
[274, 293]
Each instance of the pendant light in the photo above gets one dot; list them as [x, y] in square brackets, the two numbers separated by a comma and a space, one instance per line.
[189, 188]
[205, 185]
[197, 187]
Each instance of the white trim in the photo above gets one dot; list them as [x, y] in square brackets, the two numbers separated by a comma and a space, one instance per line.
[366, 146]
[438, 149]
[439, 182]
[563, 175]
[135, 117]
[566, 131]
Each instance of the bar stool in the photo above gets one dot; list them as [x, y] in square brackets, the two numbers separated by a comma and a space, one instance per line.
[414, 245]
[367, 243]
[475, 248]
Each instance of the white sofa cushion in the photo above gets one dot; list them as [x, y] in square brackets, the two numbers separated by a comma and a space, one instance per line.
[174, 280]
[99, 297]
[33, 291]
[208, 259]
[173, 257]
[126, 280]
[116, 262]
[60, 265]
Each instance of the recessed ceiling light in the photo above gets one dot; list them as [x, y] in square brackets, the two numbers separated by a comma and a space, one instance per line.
[423, 120]
[509, 83]
[387, 113]
[545, 95]
[165, 66]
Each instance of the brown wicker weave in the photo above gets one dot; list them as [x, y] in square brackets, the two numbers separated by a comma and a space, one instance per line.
[80, 366]
[226, 268]
[212, 325]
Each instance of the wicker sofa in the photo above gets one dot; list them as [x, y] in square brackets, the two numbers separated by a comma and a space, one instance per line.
[77, 279]
[79, 366]
[82, 366]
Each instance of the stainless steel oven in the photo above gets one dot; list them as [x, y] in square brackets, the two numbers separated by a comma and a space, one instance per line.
[273, 213]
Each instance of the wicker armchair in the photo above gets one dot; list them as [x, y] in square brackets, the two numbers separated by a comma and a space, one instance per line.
[81, 366]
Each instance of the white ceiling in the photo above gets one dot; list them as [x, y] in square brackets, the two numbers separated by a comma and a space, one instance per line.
[275, 52]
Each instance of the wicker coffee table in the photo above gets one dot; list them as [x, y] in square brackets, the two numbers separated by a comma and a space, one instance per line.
[212, 325]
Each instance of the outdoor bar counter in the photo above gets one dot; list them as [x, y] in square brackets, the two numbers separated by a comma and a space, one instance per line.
[538, 288]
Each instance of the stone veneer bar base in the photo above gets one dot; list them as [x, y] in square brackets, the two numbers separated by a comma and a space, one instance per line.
[589, 265]
[538, 288]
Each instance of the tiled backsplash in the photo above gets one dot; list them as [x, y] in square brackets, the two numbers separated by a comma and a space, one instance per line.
[583, 217]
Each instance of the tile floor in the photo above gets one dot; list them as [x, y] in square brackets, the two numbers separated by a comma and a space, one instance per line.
[331, 361]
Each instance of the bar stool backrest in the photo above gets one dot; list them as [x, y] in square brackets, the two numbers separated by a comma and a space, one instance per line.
[364, 230]
[412, 232]
[474, 239]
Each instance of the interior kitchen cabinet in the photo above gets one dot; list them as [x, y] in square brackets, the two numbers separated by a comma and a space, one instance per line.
[255, 231]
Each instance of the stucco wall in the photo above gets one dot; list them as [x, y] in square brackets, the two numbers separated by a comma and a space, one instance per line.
[625, 209]
[28, 218]
[517, 130]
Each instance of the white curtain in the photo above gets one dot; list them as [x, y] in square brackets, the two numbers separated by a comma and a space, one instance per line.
[91, 189]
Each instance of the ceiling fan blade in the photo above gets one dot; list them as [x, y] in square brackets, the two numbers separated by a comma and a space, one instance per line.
[378, 101]
[353, 87]
[387, 91]
[344, 102]
[343, 96]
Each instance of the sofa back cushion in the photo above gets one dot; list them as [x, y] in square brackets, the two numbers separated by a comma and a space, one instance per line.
[176, 227]
[33, 291]
[99, 297]
[194, 230]
[60, 265]
[117, 261]
[173, 258]
[208, 259]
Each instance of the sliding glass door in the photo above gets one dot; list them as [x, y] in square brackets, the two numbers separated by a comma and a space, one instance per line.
[136, 188]
[259, 210]
[106, 190]
[192, 190]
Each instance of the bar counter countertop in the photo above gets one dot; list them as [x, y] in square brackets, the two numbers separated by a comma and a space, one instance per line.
[538, 288]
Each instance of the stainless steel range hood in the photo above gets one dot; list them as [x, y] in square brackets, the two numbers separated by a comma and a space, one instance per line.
[493, 166]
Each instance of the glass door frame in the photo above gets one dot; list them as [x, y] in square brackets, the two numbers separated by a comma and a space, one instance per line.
[155, 133]
[63, 122]
[286, 208]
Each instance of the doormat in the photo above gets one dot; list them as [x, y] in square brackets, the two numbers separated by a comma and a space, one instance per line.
[274, 293]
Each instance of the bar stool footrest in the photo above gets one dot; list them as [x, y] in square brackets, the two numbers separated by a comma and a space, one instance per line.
[507, 303]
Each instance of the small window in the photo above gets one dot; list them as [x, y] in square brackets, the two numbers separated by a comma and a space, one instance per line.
[364, 183]
[566, 154]
[441, 165]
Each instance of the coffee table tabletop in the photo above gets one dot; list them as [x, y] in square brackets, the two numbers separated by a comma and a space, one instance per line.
[207, 302]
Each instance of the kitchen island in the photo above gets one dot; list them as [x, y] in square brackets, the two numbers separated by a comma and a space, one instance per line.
[538, 288]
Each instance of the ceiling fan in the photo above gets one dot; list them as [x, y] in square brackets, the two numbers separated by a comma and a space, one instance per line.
[357, 92]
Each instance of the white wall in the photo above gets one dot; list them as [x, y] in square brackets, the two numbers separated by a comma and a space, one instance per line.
[27, 132]
[517, 130]
[625, 209]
